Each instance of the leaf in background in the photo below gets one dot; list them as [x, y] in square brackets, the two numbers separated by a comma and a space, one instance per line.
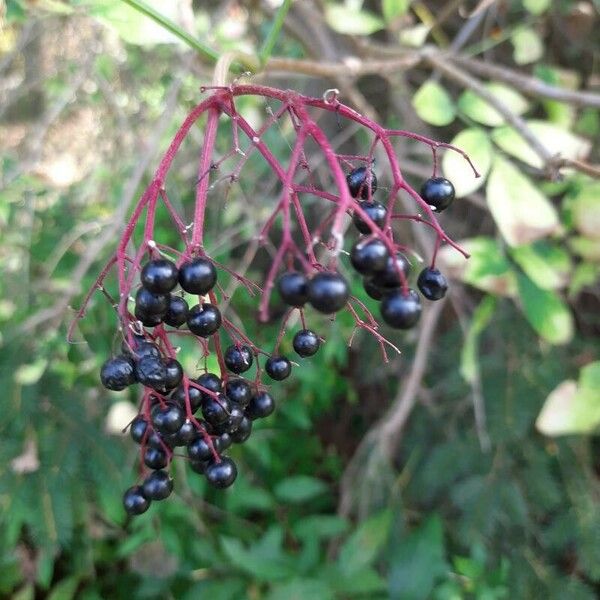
[482, 315]
[417, 561]
[299, 488]
[486, 269]
[320, 526]
[528, 46]
[475, 142]
[433, 104]
[585, 247]
[585, 209]
[363, 546]
[65, 589]
[479, 110]
[557, 140]
[537, 7]
[301, 589]
[523, 214]
[548, 266]
[352, 21]
[393, 9]
[545, 311]
[31, 373]
[414, 36]
[573, 407]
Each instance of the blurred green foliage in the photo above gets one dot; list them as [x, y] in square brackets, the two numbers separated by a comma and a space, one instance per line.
[520, 520]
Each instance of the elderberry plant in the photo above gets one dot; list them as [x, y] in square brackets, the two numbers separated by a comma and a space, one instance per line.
[208, 413]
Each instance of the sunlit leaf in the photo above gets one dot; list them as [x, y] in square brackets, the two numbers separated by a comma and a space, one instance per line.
[480, 110]
[352, 21]
[528, 46]
[433, 104]
[393, 9]
[547, 265]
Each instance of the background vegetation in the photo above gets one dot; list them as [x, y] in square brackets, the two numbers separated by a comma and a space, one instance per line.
[466, 468]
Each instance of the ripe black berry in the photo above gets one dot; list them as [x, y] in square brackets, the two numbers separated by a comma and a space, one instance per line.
[216, 411]
[211, 382]
[293, 288]
[146, 319]
[242, 433]
[236, 414]
[151, 304]
[376, 211]
[141, 348]
[177, 312]
[400, 311]
[204, 320]
[438, 192]
[221, 474]
[157, 486]
[155, 440]
[155, 458]
[372, 290]
[197, 276]
[306, 342]
[362, 181]
[238, 359]
[432, 284]
[389, 277]
[199, 466]
[368, 257]
[159, 276]
[199, 450]
[186, 433]
[223, 442]
[151, 372]
[194, 395]
[117, 373]
[238, 391]
[167, 419]
[261, 405]
[174, 373]
[137, 429]
[278, 367]
[134, 501]
[328, 292]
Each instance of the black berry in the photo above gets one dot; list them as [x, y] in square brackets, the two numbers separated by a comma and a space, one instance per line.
[199, 466]
[186, 433]
[167, 419]
[159, 276]
[137, 429]
[204, 320]
[238, 391]
[117, 373]
[401, 311]
[306, 342]
[221, 474]
[432, 284]
[242, 433]
[146, 319]
[216, 410]
[389, 277]
[278, 367]
[155, 458]
[151, 304]
[293, 288]
[238, 359]
[328, 292]
[438, 192]
[362, 181]
[373, 290]
[174, 373]
[194, 395]
[151, 372]
[157, 486]
[199, 450]
[223, 442]
[177, 312]
[368, 257]
[197, 276]
[375, 210]
[141, 348]
[261, 406]
[134, 501]
[211, 382]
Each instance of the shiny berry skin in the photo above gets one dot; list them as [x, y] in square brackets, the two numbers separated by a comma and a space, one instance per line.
[261, 406]
[177, 312]
[376, 211]
[400, 311]
[194, 395]
[167, 419]
[359, 181]
[155, 458]
[374, 291]
[137, 429]
[238, 359]
[389, 277]
[141, 348]
[211, 382]
[174, 373]
[236, 414]
[328, 292]
[151, 372]
[147, 320]
[134, 501]
[293, 288]
[199, 466]
[157, 486]
[238, 391]
[149, 303]
[216, 411]
[155, 440]
[432, 284]
[117, 373]
[221, 474]
[199, 450]
[159, 276]
[438, 192]
[368, 257]
[186, 433]
[306, 343]
[197, 276]
[223, 442]
[204, 320]
[278, 367]
[242, 433]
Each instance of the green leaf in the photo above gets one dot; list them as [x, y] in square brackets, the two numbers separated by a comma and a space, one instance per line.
[585, 247]
[573, 407]
[479, 110]
[523, 214]
[320, 527]
[31, 373]
[469, 356]
[545, 311]
[392, 9]
[299, 488]
[475, 142]
[352, 21]
[557, 140]
[417, 562]
[301, 589]
[528, 46]
[433, 104]
[584, 207]
[359, 583]
[65, 590]
[547, 265]
[536, 7]
[363, 546]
